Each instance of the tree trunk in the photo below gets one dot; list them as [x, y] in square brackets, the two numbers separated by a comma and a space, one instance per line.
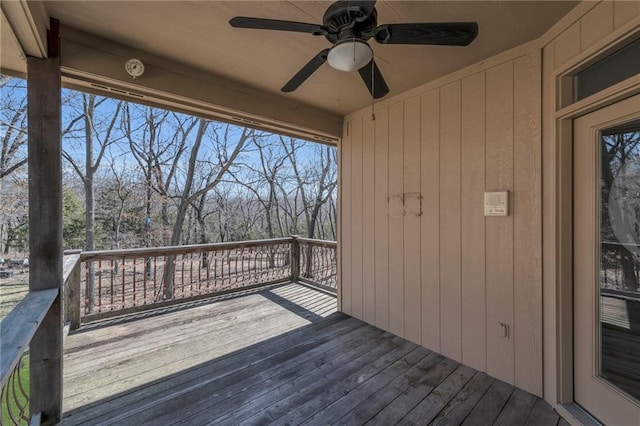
[89, 196]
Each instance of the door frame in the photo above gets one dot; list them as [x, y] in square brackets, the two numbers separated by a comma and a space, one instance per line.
[565, 113]
[598, 394]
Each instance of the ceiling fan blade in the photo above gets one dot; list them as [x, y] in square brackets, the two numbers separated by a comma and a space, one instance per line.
[361, 9]
[275, 24]
[437, 33]
[373, 79]
[306, 71]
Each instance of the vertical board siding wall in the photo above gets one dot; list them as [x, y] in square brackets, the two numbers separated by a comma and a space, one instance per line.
[419, 258]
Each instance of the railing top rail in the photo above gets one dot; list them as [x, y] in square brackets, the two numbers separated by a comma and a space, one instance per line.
[68, 263]
[17, 328]
[316, 242]
[171, 250]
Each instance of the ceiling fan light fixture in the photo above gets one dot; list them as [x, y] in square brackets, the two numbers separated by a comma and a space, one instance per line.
[349, 55]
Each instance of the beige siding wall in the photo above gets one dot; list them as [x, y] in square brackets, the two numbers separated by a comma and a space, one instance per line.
[592, 27]
[418, 256]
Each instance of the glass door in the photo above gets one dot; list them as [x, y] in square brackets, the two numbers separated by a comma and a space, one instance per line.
[607, 262]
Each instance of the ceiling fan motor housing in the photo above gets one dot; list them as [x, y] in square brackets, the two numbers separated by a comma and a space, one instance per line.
[346, 20]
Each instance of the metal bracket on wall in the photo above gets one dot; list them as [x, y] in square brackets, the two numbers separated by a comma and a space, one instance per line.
[405, 204]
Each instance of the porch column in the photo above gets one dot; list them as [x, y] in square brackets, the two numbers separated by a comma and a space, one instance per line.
[45, 225]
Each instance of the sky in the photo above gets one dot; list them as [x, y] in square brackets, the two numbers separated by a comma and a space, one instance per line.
[119, 152]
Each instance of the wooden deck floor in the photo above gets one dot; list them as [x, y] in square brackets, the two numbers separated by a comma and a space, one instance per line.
[280, 355]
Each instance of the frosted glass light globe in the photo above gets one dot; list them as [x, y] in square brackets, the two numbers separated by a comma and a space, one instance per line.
[349, 55]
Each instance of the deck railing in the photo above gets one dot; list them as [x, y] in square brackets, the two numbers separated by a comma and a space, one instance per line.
[318, 263]
[116, 282]
[18, 329]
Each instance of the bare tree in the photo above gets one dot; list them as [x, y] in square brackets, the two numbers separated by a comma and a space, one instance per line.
[225, 159]
[235, 215]
[143, 127]
[13, 127]
[121, 192]
[261, 180]
[165, 169]
[14, 216]
[13, 156]
[316, 183]
[96, 130]
[220, 137]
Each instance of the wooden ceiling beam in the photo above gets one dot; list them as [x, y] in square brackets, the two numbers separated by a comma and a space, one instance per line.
[96, 63]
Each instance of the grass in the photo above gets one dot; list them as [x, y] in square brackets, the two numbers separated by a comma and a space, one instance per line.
[12, 291]
[13, 404]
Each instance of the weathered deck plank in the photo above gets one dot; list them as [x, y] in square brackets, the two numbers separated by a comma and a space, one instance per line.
[402, 405]
[433, 404]
[517, 410]
[211, 406]
[376, 394]
[542, 414]
[234, 369]
[460, 406]
[493, 401]
[288, 396]
[280, 355]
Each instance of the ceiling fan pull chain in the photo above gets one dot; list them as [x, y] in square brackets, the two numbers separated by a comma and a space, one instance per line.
[354, 49]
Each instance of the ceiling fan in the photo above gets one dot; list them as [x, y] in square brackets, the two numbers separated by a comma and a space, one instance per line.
[348, 25]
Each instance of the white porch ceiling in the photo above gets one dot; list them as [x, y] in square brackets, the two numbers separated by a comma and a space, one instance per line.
[198, 34]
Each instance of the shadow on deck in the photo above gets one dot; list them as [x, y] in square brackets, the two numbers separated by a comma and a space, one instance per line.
[278, 355]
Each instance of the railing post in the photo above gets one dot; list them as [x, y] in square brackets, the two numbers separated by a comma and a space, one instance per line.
[71, 294]
[72, 298]
[295, 258]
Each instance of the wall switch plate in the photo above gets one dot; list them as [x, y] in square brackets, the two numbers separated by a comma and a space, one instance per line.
[496, 203]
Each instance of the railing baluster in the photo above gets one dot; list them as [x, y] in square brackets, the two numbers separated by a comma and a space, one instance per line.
[201, 265]
[99, 285]
[113, 271]
[182, 273]
[235, 272]
[208, 266]
[14, 396]
[244, 274]
[174, 272]
[123, 284]
[135, 277]
[190, 272]
[86, 290]
[155, 278]
[144, 282]
[222, 269]
[229, 268]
